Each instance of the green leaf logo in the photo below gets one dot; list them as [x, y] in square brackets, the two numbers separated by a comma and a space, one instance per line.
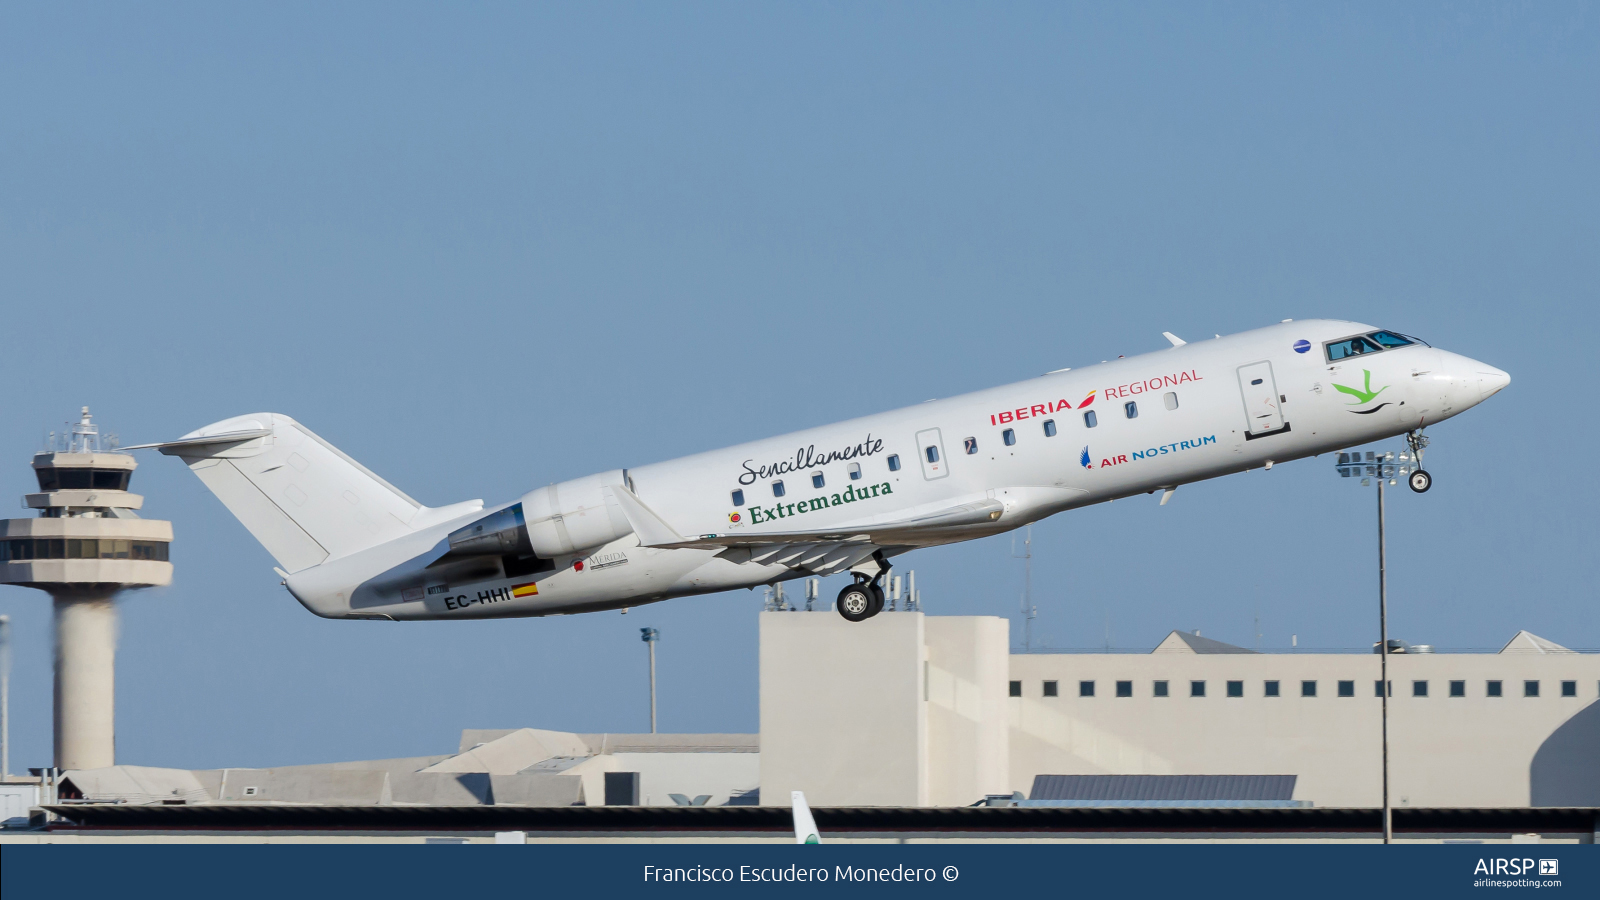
[1365, 394]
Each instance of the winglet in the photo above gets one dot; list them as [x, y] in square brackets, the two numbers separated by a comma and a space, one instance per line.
[805, 827]
[1176, 341]
[652, 531]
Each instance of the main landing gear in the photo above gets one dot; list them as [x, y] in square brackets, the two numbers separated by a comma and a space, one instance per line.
[863, 599]
[1419, 480]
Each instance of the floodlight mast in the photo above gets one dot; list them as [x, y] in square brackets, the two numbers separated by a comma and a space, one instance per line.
[650, 636]
[1384, 467]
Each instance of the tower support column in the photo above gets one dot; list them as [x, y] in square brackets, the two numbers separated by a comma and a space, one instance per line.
[85, 682]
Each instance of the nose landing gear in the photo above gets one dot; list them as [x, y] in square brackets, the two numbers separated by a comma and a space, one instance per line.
[1420, 480]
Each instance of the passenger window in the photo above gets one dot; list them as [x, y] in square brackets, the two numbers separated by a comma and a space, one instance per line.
[1350, 347]
[1131, 409]
[932, 451]
[1387, 339]
[1049, 427]
[1170, 399]
[971, 444]
[1010, 437]
[894, 462]
[817, 480]
[777, 489]
[855, 471]
[1089, 420]
[738, 498]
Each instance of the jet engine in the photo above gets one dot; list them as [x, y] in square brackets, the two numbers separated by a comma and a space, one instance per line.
[575, 515]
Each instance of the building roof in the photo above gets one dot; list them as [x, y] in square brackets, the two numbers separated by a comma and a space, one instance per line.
[1162, 787]
[1184, 642]
[1528, 642]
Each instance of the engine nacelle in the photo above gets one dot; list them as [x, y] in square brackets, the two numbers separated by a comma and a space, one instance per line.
[575, 515]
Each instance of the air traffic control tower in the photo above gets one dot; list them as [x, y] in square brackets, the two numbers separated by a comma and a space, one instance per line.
[87, 544]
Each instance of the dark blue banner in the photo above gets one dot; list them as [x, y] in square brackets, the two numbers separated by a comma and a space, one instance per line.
[307, 871]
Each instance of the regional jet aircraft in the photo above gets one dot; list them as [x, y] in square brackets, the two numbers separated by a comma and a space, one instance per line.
[837, 498]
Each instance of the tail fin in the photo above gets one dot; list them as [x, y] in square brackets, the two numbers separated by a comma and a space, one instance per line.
[302, 498]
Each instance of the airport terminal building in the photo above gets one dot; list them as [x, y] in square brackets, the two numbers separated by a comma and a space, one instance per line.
[907, 710]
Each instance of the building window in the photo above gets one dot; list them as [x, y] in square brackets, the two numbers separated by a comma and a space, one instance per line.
[1269, 689]
[1049, 427]
[1492, 689]
[1085, 689]
[1050, 689]
[1419, 689]
[1530, 689]
[1170, 399]
[1347, 688]
[1458, 688]
[1124, 689]
[894, 462]
[1009, 436]
[777, 489]
[855, 471]
[1160, 689]
[738, 498]
[817, 480]
[971, 445]
[1016, 689]
[1569, 689]
[1377, 689]
[1308, 688]
[1197, 688]
[1235, 689]
[1090, 420]
[1131, 409]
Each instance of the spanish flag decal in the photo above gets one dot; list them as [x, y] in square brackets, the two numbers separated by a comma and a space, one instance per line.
[525, 590]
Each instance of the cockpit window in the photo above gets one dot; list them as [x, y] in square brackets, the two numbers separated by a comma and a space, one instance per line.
[1348, 347]
[1387, 339]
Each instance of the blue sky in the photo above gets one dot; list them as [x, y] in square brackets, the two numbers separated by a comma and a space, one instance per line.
[481, 248]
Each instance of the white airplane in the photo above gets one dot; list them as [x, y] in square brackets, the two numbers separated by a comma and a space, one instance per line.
[842, 497]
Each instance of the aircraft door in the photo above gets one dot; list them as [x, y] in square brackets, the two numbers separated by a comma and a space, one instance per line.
[930, 449]
[1262, 408]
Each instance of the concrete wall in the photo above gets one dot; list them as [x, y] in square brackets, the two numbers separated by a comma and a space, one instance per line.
[842, 715]
[1444, 751]
[899, 710]
[968, 745]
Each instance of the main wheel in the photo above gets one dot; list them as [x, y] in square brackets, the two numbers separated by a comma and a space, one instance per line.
[877, 599]
[856, 602]
[1420, 481]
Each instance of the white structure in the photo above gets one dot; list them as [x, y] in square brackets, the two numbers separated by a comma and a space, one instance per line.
[911, 711]
[914, 710]
[87, 545]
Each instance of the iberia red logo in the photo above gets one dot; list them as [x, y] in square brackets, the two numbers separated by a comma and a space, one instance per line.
[1038, 409]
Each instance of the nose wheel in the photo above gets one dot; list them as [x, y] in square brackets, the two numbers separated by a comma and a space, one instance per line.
[1419, 480]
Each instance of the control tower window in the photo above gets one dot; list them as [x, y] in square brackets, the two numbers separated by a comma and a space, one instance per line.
[83, 479]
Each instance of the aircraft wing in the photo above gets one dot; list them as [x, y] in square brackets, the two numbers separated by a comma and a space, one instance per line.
[912, 530]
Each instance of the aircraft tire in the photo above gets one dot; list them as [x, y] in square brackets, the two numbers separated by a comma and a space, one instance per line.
[855, 602]
[1420, 481]
[877, 600]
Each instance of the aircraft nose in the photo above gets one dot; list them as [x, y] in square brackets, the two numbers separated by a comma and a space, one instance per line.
[1490, 380]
